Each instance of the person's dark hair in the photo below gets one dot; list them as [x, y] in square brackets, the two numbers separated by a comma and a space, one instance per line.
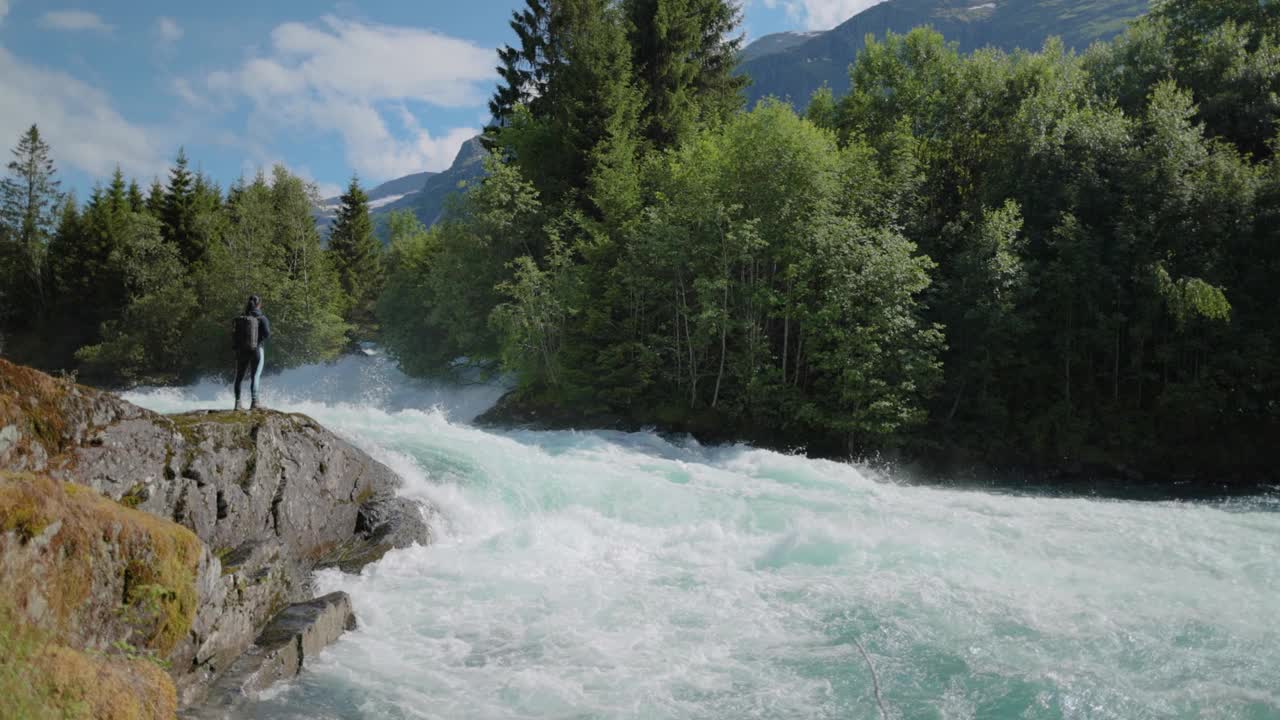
[254, 303]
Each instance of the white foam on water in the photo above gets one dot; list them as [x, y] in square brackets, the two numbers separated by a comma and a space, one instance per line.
[612, 575]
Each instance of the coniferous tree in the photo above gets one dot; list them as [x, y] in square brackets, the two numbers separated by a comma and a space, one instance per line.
[64, 247]
[118, 193]
[137, 202]
[684, 56]
[527, 68]
[584, 115]
[179, 213]
[155, 200]
[96, 265]
[29, 209]
[144, 340]
[357, 257]
[74, 318]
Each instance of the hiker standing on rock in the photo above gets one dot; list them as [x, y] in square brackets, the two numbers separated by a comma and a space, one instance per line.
[249, 333]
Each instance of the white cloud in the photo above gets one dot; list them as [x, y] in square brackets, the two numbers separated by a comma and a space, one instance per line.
[81, 126]
[183, 89]
[824, 14]
[169, 30]
[74, 21]
[328, 190]
[350, 77]
[4, 9]
[322, 189]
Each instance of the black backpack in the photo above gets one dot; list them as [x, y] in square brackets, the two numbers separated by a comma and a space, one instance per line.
[244, 333]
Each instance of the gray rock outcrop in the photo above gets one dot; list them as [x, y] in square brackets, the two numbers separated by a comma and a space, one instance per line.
[299, 632]
[273, 496]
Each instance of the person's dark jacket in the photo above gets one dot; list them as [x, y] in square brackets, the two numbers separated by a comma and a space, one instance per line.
[264, 326]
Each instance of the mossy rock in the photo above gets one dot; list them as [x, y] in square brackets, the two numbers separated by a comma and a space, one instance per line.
[31, 407]
[41, 679]
[93, 571]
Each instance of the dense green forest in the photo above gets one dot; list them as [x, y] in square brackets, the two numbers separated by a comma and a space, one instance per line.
[1001, 257]
[135, 287]
[1014, 257]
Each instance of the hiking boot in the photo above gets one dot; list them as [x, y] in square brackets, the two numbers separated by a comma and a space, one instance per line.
[253, 405]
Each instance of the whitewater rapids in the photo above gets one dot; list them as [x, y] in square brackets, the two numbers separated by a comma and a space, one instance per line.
[610, 575]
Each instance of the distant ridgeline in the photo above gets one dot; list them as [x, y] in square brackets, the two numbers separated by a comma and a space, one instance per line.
[791, 66]
[424, 194]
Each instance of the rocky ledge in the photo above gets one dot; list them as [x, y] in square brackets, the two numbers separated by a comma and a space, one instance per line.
[213, 525]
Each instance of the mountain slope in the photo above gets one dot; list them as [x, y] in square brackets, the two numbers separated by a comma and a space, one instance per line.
[425, 193]
[794, 72]
[775, 43]
[429, 202]
[385, 194]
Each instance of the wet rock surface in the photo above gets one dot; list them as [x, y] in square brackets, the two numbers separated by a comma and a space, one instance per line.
[273, 496]
[279, 653]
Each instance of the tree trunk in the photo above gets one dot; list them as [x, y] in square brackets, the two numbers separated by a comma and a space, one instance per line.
[956, 405]
[1115, 371]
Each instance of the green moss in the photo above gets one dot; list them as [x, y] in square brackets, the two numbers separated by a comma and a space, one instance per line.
[22, 516]
[164, 588]
[41, 679]
[34, 403]
[160, 558]
[135, 497]
[222, 554]
[224, 417]
[187, 426]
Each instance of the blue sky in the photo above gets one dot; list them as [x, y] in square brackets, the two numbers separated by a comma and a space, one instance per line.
[382, 88]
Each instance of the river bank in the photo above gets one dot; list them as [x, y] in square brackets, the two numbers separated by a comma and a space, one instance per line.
[945, 465]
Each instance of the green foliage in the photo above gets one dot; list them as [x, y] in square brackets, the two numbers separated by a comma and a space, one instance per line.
[683, 53]
[180, 208]
[145, 342]
[357, 257]
[527, 68]
[1226, 53]
[442, 284]
[532, 321]
[1013, 256]
[270, 247]
[406, 302]
[1190, 298]
[29, 209]
[142, 289]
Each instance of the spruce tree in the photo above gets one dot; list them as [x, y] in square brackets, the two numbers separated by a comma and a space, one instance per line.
[527, 68]
[29, 210]
[137, 202]
[63, 248]
[357, 257]
[155, 200]
[178, 216]
[73, 323]
[684, 55]
[90, 268]
[118, 193]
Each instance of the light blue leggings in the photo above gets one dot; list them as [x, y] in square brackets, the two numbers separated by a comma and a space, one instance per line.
[257, 373]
